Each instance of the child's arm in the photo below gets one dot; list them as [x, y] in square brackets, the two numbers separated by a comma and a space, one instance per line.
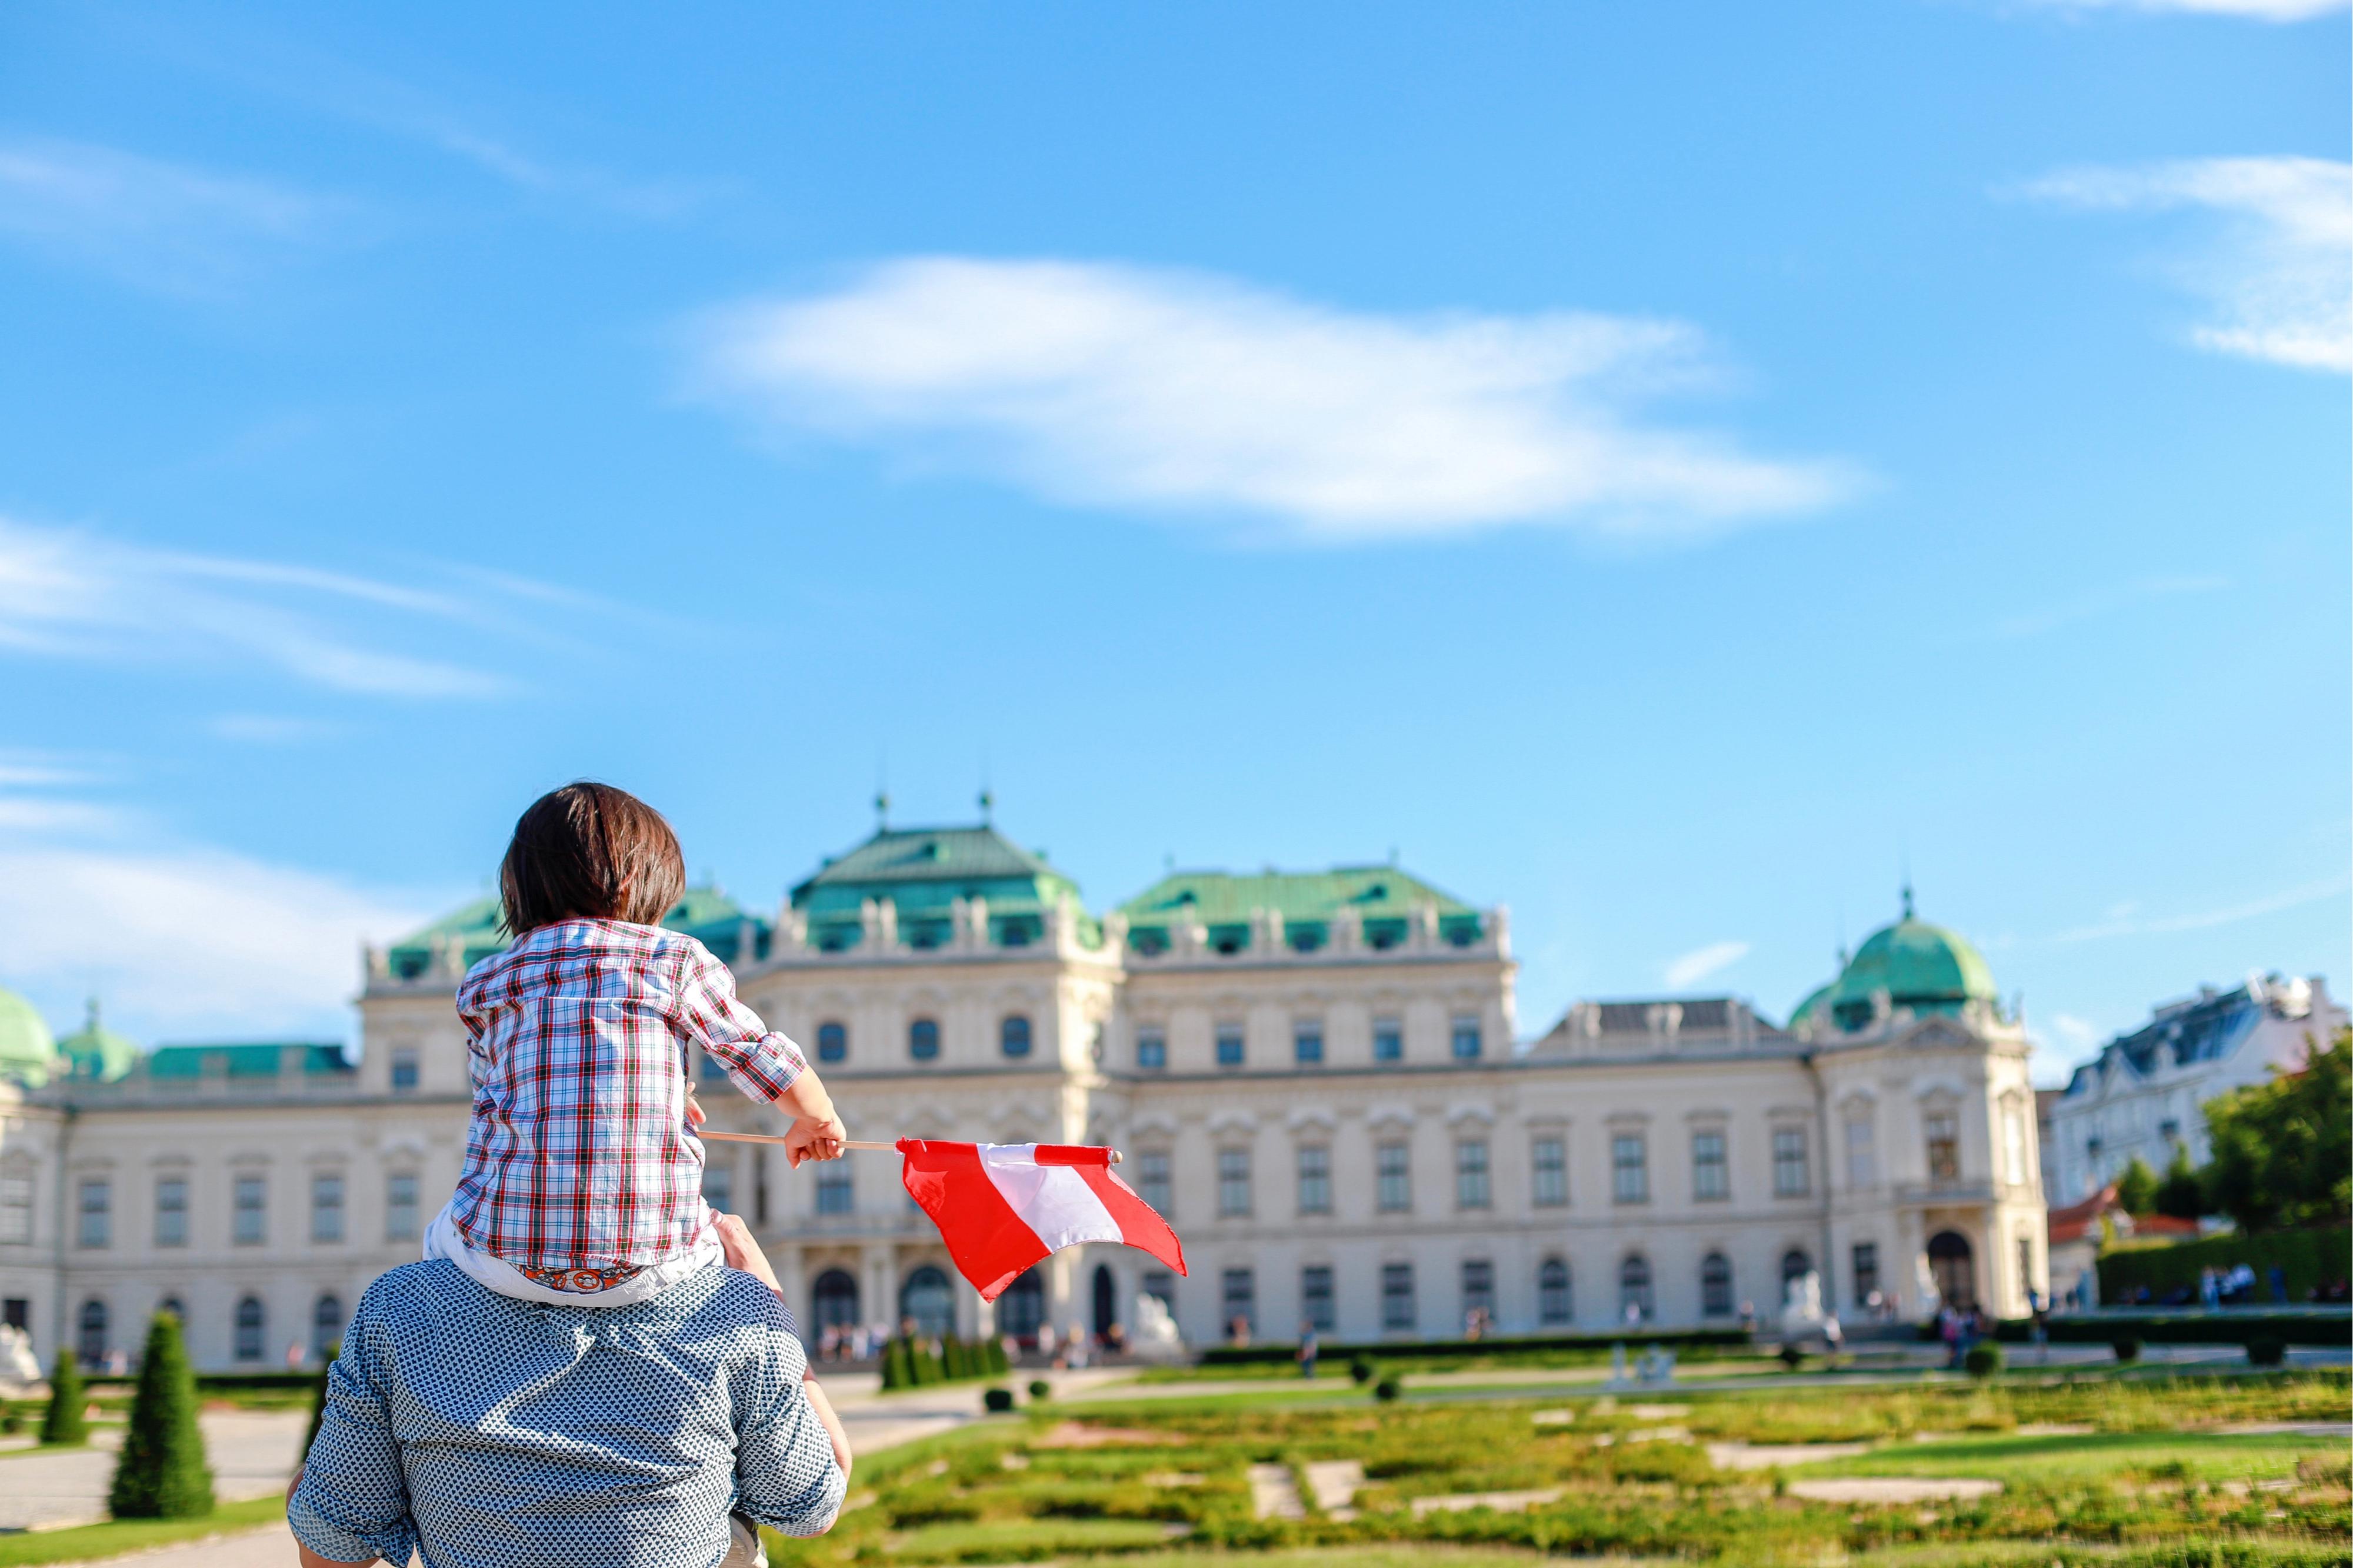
[764, 1064]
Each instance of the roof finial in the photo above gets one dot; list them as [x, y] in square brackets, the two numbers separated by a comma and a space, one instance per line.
[881, 808]
[1907, 898]
[987, 805]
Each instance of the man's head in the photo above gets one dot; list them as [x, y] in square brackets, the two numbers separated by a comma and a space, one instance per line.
[589, 851]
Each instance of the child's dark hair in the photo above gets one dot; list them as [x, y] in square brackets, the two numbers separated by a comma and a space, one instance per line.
[589, 851]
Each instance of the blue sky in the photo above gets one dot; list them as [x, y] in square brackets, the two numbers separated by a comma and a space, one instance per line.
[1669, 469]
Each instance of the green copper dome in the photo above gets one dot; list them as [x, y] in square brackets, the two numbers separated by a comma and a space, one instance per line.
[1920, 967]
[94, 1053]
[25, 1046]
[1814, 999]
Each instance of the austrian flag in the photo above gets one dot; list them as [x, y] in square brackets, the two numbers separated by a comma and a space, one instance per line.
[1002, 1206]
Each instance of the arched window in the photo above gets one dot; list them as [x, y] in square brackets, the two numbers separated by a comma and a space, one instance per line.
[1795, 1267]
[1716, 1286]
[833, 1300]
[1952, 1261]
[832, 1042]
[1107, 1302]
[1553, 1303]
[326, 1325]
[90, 1335]
[250, 1319]
[927, 1298]
[1634, 1301]
[923, 1039]
[1013, 1034]
[1022, 1307]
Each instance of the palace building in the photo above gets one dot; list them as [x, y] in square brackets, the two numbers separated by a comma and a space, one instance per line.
[1319, 1079]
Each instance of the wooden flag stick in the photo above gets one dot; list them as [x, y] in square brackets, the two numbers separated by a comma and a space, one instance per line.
[847, 1142]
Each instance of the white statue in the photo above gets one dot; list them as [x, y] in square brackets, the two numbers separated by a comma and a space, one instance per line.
[1156, 1337]
[1804, 1323]
[17, 1366]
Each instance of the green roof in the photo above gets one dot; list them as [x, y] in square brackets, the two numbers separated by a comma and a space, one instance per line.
[1920, 967]
[1813, 999]
[241, 1059]
[96, 1053]
[25, 1046]
[1383, 897]
[705, 913]
[922, 872]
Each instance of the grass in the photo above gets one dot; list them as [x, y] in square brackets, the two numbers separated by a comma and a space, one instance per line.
[2205, 1457]
[112, 1539]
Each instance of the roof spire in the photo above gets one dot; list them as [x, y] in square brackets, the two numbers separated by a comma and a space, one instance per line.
[881, 808]
[1907, 898]
[987, 807]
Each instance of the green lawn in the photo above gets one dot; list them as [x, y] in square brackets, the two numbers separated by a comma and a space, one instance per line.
[2205, 1457]
[113, 1539]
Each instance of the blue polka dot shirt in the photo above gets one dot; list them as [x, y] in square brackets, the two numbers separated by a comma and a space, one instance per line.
[481, 1432]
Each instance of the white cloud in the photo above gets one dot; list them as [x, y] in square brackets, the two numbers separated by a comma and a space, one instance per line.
[270, 729]
[2077, 1031]
[2249, 10]
[156, 225]
[1116, 385]
[2278, 274]
[2126, 919]
[1700, 962]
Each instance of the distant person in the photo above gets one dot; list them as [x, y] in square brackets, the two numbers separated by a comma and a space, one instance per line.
[1307, 1350]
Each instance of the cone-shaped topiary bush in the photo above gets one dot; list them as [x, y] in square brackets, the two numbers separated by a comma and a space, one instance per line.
[162, 1473]
[67, 1417]
[998, 1362]
[897, 1370]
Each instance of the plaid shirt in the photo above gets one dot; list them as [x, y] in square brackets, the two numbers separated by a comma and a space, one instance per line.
[579, 1156]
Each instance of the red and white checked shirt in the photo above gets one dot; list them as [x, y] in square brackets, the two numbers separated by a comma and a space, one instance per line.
[582, 1033]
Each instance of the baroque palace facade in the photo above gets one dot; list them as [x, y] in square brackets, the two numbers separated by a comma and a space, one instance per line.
[1317, 1078]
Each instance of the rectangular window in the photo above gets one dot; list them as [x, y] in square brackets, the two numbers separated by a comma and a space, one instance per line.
[1866, 1273]
[1466, 1039]
[713, 1069]
[1233, 1182]
[1471, 1185]
[1393, 1178]
[1389, 1040]
[1161, 1283]
[1229, 1045]
[1237, 1291]
[16, 1312]
[1862, 1160]
[400, 1206]
[2013, 1145]
[1307, 1042]
[1478, 1294]
[1630, 1169]
[1152, 1180]
[1942, 1130]
[1553, 1305]
[1397, 1296]
[251, 1209]
[171, 1211]
[1315, 1299]
[16, 1208]
[1550, 1158]
[1711, 1173]
[1314, 1179]
[1790, 1179]
[2026, 1265]
[834, 1193]
[404, 1071]
[97, 1210]
[1151, 1051]
[326, 1207]
[719, 1187]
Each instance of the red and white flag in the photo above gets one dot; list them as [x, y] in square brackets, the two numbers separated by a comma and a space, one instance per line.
[1002, 1206]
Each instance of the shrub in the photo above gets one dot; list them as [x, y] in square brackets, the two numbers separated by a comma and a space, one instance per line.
[2266, 1350]
[998, 1400]
[2127, 1347]
[1360, 1369]
[162, 1472]
[897, 1371]
[66, 1420]
[1984, 1359]
[1792, 1357]
[1000, 1364]
[14, 1421]
[1387, 1391]
[1041, 1389]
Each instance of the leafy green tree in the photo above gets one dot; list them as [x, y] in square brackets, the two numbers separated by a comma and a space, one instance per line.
[2137, 1189]
[66, 1420]
[2284, 1150]
[162, 1472]
[2180, 1193]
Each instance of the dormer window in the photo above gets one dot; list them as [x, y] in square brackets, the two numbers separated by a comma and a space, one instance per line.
[1013, 1034]
[923, 1039]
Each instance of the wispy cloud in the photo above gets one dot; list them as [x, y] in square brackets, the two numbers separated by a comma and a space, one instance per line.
[2278, 274]
[271, 729]
[2251, 10]
[1123, 386]
[2126, 919]
[1700, 962]
[2101, 601]
[162, 226]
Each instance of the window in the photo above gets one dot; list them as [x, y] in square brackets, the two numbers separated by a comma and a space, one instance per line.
[1314, 1179]
[719, 1187]
[923, 1039]
[1795, 1265]
[1237, 1291]
[1151, 1049]
[1942, 1132]
[1161, 1283]
[89, 1333]
[16, 1312]
[251, 1211]
[713, 1069]
[1013, 1034]
[404, 1071]
[1550, 1187]
[1152, 1180]
[1471, 1185]
[834, 1192]
[1392, 1178]
[1478, 1293]
[1630, 1169]
[1229, 1045]
[96, 1214]
[400, 1206]
[16, 1208]
[1553, 1305]
[1397, 1296]
[1233, 1182]
[2169, 1129]
[1307, 1042]
[1790, 1179]
[1466, 1039]
[2013, 1145]
[1711, 1179]
[1716, 1286]
[1389, 1040]
[326, 1324]
[1315, 1299]
[832, 1042]
[251, 1320]
[2026, 1264]
[1862, 1161]
[327, 1207]
[1634, 1302]
[1866, 1272]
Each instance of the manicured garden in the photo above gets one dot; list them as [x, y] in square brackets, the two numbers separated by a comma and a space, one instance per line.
[2132, 1469]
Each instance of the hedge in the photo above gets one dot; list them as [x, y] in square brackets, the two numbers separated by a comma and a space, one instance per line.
[1465, 1350]
[2311, 1258]
[2230, 1326]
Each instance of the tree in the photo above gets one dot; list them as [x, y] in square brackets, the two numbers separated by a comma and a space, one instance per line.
[66, 1420]
[162, 1473]
[2283, 1149]
[2179, 1194]
[2137, 1189]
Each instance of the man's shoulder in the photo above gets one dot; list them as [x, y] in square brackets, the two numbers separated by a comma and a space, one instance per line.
[434, 1285]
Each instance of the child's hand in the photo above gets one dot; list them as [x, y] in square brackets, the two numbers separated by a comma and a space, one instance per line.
[817, 1136]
